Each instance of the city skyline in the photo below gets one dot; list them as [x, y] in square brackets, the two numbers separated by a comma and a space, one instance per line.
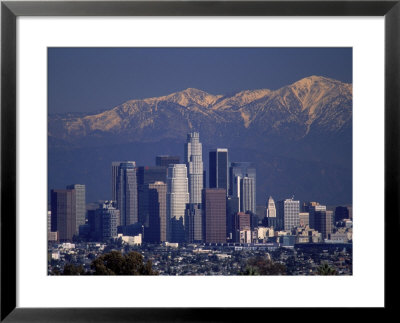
[216, 154]
[157, 206]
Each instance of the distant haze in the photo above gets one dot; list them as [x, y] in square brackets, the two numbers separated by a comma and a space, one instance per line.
[299, 136]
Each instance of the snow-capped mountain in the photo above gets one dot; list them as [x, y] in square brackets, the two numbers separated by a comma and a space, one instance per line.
[299, 137]
[314, 102]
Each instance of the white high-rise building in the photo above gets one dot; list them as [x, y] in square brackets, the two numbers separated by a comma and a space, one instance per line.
[288, 211]
[271, 210]
[177, 198]
[194, 164]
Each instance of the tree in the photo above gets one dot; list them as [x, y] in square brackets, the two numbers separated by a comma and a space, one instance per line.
[263, 266]
[114, 263]
[326, 270]
[70, 269]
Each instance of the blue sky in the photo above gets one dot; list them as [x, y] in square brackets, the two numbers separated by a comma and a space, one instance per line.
[94, 79]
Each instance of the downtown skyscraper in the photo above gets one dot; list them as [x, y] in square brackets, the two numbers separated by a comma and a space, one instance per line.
[218, 169]
[177, 198]
[127, 201]
[114, 177]
[63, 213]
[288, 214]
[242, 184]
[214, 215]
[271, 214]
[80, 202]
[194, 164]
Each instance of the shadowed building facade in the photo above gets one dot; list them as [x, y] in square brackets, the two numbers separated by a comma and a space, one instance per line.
[114, 177]
[127, 193]
[63, 213]
[108, 215]
[80, 202]
[218, 169]
[242, 184]
[165, 160]
[147, 175]
[157, 195]
[193, 223]
[214, 215]
[323, 222]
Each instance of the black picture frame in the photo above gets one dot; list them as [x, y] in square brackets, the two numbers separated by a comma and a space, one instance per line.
[10, 10]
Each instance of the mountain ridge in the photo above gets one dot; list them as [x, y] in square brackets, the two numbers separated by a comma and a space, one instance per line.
[303, 102]
[299, 137]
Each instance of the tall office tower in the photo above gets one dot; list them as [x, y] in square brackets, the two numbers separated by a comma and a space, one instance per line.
[232, 208]
[157, 196]
[247, 195]
[146, 175]
[323, 222]
[127, 193]
[218, 169]
[177, 197]
[194, 163]
[63, 213]
[242, 184]
[311, 208]
[214, 215]
[236, 190]
[304, 219]
[109, 217]
[80, 198]
[165, 161]
[51, 236]
[193, 223]
[341, 212]
[242, 169]
[114, 177]
[272, 220]
[288, 211]
[95, 225]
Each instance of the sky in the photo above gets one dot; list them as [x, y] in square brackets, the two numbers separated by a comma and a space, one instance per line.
[89, 80]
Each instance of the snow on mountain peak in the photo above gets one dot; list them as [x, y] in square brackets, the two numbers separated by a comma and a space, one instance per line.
[191, 96]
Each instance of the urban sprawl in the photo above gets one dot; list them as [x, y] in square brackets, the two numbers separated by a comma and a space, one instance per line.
[181, 226]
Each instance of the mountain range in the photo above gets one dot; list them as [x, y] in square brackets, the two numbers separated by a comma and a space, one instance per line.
[298, 136]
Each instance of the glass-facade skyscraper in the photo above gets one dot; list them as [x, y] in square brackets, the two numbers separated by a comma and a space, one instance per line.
[157, 196]
[63, 213]
[218, 169]
[177, 198]
[214, 215]
[114, 178]
[146, 175]
[194, 163]
[80, 203]
[127, 193]
[242, 184]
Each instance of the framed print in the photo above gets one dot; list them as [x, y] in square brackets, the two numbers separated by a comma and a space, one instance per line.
[187, 140]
